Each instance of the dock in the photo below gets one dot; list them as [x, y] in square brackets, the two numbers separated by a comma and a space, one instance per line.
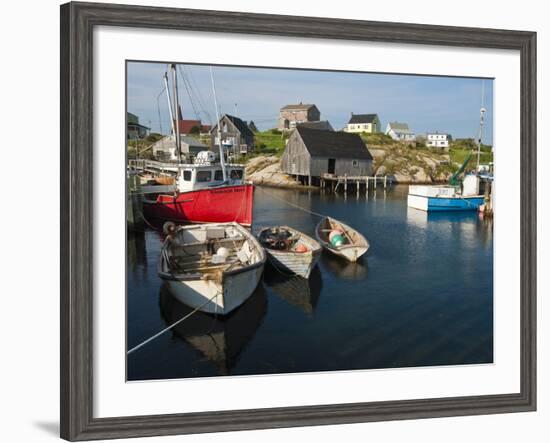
[356, 183]
[153, 166]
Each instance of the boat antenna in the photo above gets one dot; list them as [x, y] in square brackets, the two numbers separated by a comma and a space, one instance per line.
[482, 112]
[167, 89]
[176, 110]
[222, 159]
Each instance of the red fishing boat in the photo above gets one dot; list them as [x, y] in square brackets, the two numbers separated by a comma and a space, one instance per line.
[200, 195]
[205, 191]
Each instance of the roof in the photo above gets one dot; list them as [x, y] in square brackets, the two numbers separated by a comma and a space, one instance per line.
[320, 143]
[240, 125]
[137, 125]
[185, 126]
[192, 141]
[298, 106]
[323, 124]
[400, 127]
[362, 118]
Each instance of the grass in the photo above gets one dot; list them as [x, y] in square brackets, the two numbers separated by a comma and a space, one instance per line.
[377, 138]
[458, 155]
[271, 142]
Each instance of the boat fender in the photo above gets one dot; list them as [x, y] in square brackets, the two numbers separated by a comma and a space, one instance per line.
[169, 228]
[222, 252]
[333, 233]
[301, 248]
[337, 240]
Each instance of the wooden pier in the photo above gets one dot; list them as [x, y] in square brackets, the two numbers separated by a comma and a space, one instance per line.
[348, 182]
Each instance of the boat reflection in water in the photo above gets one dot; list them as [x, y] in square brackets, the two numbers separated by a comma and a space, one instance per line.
[345, 270]
[219, 339]
[295, 290]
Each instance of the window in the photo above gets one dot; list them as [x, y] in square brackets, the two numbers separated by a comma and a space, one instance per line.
[204, 176]
[355, 163]
[187, 175]
[218, 175]
[236, 174]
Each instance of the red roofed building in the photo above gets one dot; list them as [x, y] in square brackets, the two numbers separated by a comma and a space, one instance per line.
[186, 126]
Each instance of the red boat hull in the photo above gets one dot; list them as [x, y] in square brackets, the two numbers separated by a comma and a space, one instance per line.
[214, 205]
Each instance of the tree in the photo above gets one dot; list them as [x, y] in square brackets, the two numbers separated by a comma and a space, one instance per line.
[252, 126]
[195, 130]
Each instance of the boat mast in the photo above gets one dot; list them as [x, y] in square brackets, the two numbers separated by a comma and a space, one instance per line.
[222, 159]
[176, 110]
[167, 89]
[481, 122]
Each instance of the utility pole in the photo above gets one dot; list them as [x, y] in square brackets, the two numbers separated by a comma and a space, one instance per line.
[482, 112]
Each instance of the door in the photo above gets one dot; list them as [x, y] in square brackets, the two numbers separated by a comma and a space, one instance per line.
[331, 165]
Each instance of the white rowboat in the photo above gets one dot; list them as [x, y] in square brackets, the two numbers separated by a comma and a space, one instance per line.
[199, 275]
[290, 250]
[354, 246]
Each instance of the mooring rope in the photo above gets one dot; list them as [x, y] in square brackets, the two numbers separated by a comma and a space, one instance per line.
[158, 334]
[292, 204]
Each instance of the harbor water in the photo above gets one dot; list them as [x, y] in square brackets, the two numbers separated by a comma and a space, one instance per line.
[421, 296]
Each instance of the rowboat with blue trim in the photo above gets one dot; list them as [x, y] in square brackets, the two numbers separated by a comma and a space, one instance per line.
[290, 250]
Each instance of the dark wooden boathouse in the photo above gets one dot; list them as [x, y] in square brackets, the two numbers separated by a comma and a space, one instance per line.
[312, 154]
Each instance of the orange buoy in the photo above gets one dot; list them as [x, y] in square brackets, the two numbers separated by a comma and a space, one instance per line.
[301, 248]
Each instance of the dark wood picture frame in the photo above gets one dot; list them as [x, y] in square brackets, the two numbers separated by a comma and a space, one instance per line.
[77, 218]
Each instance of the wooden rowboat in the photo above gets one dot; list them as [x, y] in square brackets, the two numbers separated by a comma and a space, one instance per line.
[199, 275]
[354, 245]
[290, 250]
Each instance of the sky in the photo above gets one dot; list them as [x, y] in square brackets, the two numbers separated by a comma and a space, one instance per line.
[427, 103]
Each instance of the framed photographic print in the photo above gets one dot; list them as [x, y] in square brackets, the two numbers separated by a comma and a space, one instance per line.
[273, 221]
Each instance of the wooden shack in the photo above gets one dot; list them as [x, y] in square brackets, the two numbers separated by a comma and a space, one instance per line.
[312, 153]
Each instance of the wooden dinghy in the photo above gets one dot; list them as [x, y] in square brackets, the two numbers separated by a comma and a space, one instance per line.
[213, 267]
[349, 245]
[290, 250]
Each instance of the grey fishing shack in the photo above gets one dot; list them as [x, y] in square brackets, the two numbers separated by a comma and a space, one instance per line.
[312, 153]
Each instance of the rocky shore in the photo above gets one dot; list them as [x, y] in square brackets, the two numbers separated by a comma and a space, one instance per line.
[265, 170]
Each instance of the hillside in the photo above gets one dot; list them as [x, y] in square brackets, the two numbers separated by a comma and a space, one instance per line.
[405, 164]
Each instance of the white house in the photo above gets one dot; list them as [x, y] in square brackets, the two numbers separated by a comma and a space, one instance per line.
[165, 148]
[437, 140]
[400, 132]
[363, 123]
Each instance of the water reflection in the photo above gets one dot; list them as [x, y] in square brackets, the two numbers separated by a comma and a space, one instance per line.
[135, 248]
[470, 225]
[219, 339]
[297, 291]
[428, 278]
[345, 270]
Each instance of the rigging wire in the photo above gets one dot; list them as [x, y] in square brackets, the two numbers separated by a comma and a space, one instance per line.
[198, 93]
[158, 110]
[187, 88]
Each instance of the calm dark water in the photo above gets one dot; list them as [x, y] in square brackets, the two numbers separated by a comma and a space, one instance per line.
[422, 295]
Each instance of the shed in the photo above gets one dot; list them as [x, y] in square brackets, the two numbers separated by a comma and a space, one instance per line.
[315, 152]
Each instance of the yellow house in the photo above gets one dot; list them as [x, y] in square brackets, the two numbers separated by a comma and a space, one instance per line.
[363, 123]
